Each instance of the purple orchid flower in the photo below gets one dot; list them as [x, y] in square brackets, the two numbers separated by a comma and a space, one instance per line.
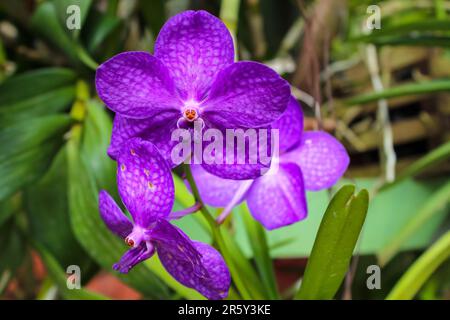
[311, 160]
[191, 77]
[147, 191]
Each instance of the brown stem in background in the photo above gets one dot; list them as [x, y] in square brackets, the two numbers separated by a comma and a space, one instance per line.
[321, 22]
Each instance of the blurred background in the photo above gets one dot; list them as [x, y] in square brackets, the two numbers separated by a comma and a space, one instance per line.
[376, 74]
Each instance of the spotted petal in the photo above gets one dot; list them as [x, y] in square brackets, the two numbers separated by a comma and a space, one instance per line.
[144, 181]
[193, 264]
[194, 46]
[136, 85]
[246, 95]
[278, 199]
[113, 216]
[290, 126]
[246, 154]
[322, 158]
[158, 131]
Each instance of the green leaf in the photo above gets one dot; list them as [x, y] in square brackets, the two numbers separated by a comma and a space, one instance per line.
[410, 283]
[243, 271]
[20, 136]
[60, 278]
[97, 240]
[28, 148]
[424, 87]
[423, 31]
[261, 252]
[154, 14]
[422, 40]
[102, 27]
[46, 23]
[12, 248]
[47, 209]
[40, 105]
[334, 244]
[8, 207]
[432, 158]
[433, 205]
[33, 83]
[95, 141]
[61, 11]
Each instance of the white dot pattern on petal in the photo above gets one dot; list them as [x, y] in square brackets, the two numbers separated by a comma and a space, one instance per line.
[246, 94]
[136, 84]
[194, 45]
[322, 158]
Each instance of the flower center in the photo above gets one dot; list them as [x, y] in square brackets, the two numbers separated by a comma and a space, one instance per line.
[137, 235]
[190, 114]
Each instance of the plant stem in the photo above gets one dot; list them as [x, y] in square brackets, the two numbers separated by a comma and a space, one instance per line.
[217, 236]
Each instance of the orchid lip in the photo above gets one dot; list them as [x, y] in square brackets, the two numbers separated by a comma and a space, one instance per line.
[137, 235]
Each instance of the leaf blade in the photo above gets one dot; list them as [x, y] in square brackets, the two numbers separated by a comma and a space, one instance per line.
[334, 244]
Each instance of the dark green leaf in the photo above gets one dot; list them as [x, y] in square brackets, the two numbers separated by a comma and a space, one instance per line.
[61, 11]
[45, 22]
[154, 14]
[261, 252]
[28, 85]
[334, 244]
[48, 216]
[20, 136]
[8, 207]
[12, 248]
[23, 168]
[102, 27]
[40, 105]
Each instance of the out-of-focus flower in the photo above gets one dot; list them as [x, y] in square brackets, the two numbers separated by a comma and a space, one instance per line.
[311, 160]
[147, 191]
[191, 77]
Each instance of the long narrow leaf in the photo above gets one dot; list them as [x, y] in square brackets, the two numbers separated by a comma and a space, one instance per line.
[261, 252]
[410, 283]
[433, 205]
[432, 158]
[334, 244]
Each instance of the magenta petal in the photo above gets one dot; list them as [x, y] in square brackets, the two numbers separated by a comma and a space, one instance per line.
[247, 156]
[194, 46]
[136, 85]
[215, 191]
[113, 216]
[174, 241]
[278, 199]
[246, 94]
[290, 126]
[158, 131]
[132, 257]
[322, 157]
[144, 181]
[194, 264]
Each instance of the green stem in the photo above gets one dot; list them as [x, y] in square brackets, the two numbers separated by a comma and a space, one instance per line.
[217, 236]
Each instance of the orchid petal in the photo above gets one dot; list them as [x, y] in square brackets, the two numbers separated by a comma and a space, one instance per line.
[145, 182]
